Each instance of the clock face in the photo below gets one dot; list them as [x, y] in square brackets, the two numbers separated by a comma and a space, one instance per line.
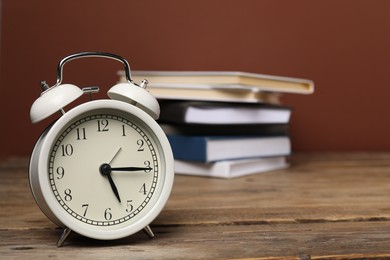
[107, 170]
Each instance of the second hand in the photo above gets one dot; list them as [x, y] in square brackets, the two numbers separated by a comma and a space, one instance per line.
[120, 148]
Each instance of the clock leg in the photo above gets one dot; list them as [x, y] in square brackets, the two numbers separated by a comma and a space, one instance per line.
[65, 233]
[149, 231]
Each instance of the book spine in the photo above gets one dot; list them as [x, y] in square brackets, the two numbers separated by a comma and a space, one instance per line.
[188, 148]
[171, 113]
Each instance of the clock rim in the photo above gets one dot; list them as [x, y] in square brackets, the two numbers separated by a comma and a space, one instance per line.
[50, 205]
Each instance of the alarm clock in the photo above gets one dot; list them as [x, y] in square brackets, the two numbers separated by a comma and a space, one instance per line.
[104, 169]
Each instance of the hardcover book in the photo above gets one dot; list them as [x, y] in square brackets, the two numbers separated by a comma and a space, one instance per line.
[213, 93]
[217, 148]
[226, 129]
[231, 168]
[254, 81]
[191, 112]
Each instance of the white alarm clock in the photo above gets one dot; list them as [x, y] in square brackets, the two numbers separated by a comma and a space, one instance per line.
[104, 169]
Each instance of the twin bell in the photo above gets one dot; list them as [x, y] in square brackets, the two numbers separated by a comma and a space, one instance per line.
[55, 98]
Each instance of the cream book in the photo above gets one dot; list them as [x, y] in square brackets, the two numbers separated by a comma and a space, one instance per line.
[207, 93]
[228, 80]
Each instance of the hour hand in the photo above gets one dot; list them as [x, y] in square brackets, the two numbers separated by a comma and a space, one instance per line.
[105, 169]
[113, 187]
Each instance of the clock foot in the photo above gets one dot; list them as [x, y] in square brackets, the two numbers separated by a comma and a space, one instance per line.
[65, 233]
[149, 231]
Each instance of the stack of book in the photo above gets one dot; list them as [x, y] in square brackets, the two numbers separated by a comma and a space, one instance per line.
[225, 124]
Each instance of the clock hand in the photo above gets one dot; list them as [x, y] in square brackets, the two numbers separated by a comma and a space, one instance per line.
[120, 148]
[126, 169]
[131, 169]
[105, 169]
[113, 187]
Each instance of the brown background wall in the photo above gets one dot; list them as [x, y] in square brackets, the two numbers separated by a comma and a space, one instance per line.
[344, 46]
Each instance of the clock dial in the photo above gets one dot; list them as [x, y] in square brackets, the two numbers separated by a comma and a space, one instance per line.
[105, 169]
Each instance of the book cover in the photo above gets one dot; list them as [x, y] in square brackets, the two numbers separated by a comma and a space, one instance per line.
[217, 148]
[192, 112]
[254, 80]
[208, 93]
[231, 168]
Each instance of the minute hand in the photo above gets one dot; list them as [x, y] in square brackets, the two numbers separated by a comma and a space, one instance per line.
[131, 169]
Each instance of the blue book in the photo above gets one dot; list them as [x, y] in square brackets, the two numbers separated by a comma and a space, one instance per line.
[217, 148]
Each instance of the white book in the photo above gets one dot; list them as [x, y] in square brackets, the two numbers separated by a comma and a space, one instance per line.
[231, 168]
[237, 115]
[198, 112]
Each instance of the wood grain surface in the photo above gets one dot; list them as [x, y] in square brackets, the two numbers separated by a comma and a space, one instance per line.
[325, 206]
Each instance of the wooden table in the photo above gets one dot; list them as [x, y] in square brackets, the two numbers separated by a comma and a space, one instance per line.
[326, 206]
